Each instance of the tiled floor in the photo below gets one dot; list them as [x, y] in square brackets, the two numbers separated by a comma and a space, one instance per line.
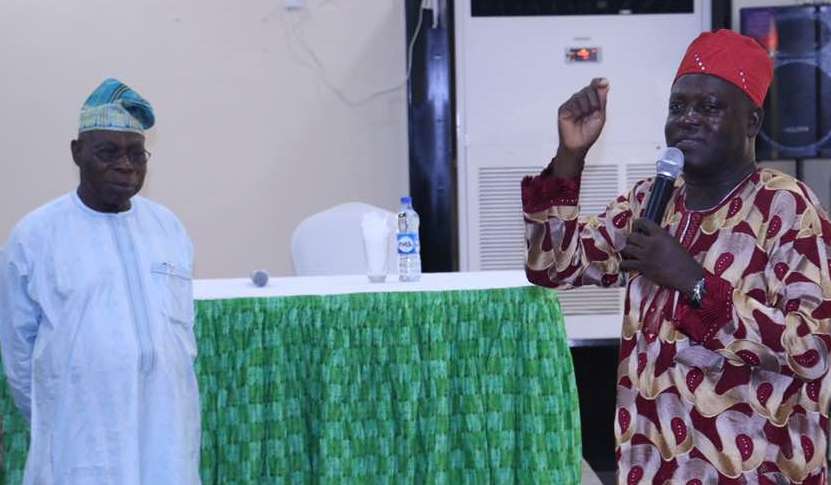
[607, 478]
[589, 477]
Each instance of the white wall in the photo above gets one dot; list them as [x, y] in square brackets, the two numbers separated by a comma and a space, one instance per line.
[251, 136]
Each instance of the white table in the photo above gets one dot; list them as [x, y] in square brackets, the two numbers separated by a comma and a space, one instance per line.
[581, 330]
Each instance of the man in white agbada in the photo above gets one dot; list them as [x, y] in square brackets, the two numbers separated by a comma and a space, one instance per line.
[96, 317]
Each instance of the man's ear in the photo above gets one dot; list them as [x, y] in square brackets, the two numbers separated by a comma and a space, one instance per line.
[755, 118]
[75, 146]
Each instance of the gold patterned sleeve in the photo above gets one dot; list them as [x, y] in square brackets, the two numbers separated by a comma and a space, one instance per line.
[565, 250]
[773, 324]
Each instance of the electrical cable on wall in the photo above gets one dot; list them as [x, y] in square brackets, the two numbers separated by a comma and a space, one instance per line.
[315, 64]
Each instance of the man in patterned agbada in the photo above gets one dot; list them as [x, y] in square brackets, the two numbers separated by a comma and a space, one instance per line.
[723, 373]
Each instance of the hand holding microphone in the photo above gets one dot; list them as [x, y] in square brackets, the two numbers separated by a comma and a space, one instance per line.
[652, 251]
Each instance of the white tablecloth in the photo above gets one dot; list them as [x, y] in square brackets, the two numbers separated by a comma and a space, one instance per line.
[580, 329]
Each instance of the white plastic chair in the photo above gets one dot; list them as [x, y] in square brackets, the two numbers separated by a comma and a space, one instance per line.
[331, 242]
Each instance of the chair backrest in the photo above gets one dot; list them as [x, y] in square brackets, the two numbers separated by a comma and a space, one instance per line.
[331, 242]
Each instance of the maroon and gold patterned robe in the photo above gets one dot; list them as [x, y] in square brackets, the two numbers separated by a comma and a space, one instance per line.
[736, 391]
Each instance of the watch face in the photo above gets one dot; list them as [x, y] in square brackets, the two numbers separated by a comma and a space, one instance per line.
[698, 292]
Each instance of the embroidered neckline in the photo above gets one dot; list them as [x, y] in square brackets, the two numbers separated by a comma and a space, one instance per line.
[732, 193]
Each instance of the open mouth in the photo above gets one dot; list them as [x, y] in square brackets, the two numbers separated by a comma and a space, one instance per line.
[688, 143]
[123, 186]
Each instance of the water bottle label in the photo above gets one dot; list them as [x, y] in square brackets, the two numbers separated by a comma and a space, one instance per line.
[407, 243]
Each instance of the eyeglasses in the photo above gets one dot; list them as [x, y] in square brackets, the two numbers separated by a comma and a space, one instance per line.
[136, 157]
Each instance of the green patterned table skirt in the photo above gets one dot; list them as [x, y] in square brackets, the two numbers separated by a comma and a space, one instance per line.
[457, 387]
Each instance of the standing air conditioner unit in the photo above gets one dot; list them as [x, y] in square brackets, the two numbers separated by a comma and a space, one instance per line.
[516, 62]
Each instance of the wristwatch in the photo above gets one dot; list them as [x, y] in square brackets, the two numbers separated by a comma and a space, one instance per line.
[699, 290]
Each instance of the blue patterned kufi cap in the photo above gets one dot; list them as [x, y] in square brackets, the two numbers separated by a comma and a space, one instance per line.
[113, 106]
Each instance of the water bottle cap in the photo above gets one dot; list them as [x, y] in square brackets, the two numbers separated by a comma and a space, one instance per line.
[407, 200]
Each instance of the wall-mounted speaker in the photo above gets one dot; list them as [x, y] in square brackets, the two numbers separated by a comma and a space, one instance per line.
[798, 105]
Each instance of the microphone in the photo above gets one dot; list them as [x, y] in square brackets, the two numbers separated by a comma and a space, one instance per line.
[259, 278]
[669, 166]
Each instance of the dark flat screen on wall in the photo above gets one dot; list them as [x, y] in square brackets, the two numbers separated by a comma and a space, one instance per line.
[516, 8]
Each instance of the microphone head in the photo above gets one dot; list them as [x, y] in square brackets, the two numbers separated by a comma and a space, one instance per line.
[670, 163]
[259, 278]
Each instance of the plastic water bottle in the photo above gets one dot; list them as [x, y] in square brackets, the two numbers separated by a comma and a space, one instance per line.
[409, 247]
